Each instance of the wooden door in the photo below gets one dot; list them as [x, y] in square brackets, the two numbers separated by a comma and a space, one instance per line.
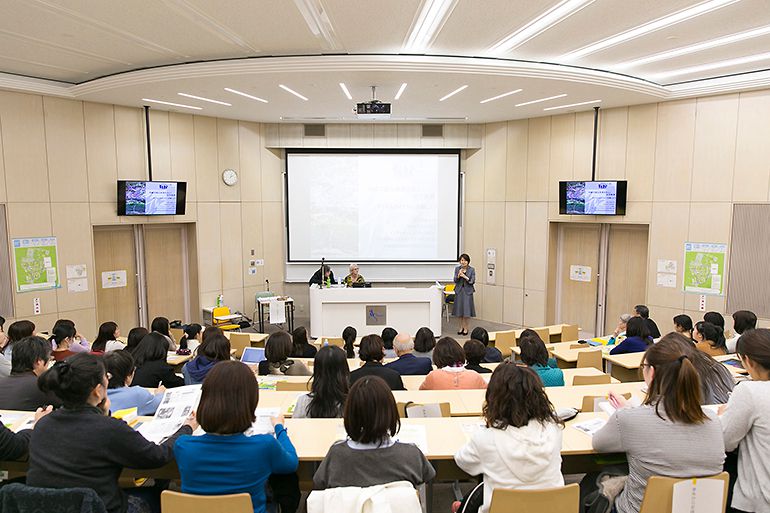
[576, 299]
[626, 272]
[114, 250]
[165, 272]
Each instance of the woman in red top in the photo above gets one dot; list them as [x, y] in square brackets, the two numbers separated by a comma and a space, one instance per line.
[451, 374]
[63, 336]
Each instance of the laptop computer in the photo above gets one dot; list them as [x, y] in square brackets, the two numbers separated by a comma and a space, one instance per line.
[253, 355]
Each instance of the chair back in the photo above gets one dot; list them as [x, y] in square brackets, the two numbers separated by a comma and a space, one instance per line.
[413, 410]
[333, 341]
[565, 499]
[449, 288]
[292, 386]
[505, 341]
[590, 400]
[176, 334]
[544, 333]
[176, 502]
[658, 496]
[570, 332]
[20, 498]
[592, 358]
[601, 379]
[239, 342]
[220, 310]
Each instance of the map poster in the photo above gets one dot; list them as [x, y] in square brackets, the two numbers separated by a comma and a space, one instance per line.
[36, 263]
[704, 267]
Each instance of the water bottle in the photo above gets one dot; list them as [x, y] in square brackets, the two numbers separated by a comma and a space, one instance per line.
[326, 342]
[220, 300]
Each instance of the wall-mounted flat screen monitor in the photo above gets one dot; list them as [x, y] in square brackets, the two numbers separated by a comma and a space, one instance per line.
[594, 198]
[141, 198]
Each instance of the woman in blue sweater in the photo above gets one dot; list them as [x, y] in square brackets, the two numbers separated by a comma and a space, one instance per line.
[637, 337]
[535, 355]
[215, 348]
[225, 460]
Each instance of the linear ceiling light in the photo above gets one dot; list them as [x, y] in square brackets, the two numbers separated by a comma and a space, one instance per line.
[172, 104]
[452, 93]
[573, 105]
[345, 90]
[541, 100]
[500, 96]
[660, 23]
[712, 66]
[428, 23]
[400, 91]
[201, 98]
[246, 95]
[534, 28]
[699, 47]
[318, 22]
[292, 91]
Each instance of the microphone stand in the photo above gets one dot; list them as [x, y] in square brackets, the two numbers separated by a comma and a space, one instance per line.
[323, 278]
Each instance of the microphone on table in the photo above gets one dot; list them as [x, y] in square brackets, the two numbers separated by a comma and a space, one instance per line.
[268, 284]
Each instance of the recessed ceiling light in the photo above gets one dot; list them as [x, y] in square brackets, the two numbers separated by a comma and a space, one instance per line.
[546, 20]
[712, 66]
[172, 104]
[400, 91]
[201, 98]
[345, 90]
[500, 96]
[573, 105]
[541, 100]
[660, 23]
[246, 95]
[292, 91]
[453, 93]
[705, 45]
[427, 25]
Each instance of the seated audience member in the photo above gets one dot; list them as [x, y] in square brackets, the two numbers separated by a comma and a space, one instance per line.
[451, 374]
[407, 363]
[715, 318]
[62, 338]
[215, 348]
[746, 423]
[371, 351]
[277, 351]
[79, 343]
[683, 325]
[329, 389]
[709, 338]
[222, 461]
[474, 354]
[327, 280]
[162, 326]
[192, 337]
[14, 445]
[17, 331]
[5, 363]
[716, 381]
[743, 320]
[134, 337]
[107, 339]
[491, 354]
[349, 335]
[535, 356]
[520, 447]
[120, 367]
[370, 456]
[353, 277]
[388, 335]
[669, 435]
[644, 312]
[152, 370]
[301, 347]
[424, 342]
[637, 337]
[620, 330]
[19, 391]
[81, 446]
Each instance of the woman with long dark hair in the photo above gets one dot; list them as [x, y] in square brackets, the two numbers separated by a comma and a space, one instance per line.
[331, 375]
[107, 339]
[301, 347]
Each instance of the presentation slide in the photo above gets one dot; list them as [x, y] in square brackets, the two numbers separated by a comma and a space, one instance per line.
[358, 207]
[598, 198]
[151, 198]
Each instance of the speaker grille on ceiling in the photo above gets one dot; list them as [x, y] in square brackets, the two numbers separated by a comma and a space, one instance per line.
[433, 130]
[315, 130]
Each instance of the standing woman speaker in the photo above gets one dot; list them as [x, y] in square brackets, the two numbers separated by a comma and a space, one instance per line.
[464, 278]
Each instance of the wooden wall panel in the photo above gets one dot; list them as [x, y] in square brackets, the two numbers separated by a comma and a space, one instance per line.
[562, 153]
[640, 151]
[611, 153]
[751, 179]
[250, 172]
[160, 134]
[538, 158]
[227, 158]
[182, 152]
[65, 150]
[130, 145]
[206, 165]
[674, 143]
[714, 155]
[516, 161]
[495, 152]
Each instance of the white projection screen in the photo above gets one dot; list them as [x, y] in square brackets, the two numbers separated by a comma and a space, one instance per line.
[372, 206]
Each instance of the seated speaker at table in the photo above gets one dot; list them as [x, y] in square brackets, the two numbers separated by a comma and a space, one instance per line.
[328, 277]
[353, 277]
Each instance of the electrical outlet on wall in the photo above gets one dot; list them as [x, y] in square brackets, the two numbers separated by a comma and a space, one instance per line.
[252, 271]
[259, 261]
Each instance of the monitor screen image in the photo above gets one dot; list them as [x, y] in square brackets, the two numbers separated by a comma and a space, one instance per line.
[142, 198]
[602, 198]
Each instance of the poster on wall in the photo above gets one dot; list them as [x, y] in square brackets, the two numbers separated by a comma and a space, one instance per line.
[36, 263]
[580, 273]
[704, 267]
[114, 279]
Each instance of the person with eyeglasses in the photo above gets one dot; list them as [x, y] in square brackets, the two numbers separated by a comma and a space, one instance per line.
[353, 277]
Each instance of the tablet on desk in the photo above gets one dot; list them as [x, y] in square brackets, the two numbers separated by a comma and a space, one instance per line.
[253, 354]
[734, 362]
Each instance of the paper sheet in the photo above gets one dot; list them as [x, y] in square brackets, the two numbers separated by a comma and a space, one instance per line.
[262, 424]
[174, 408]
[666, 280]
[666, 266]
[413, 434]
[277, 311]
[701, 495]
[114, 279]
[77, 285]
[590, 427]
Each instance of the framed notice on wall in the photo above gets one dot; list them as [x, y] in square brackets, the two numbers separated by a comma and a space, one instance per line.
[704, 267]
[36, 263]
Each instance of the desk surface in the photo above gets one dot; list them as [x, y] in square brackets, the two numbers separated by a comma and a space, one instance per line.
[254, 337]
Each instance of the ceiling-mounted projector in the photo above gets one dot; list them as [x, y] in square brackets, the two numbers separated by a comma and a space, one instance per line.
[374, 109]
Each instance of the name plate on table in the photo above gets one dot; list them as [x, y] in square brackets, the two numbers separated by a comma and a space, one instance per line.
[376, 315]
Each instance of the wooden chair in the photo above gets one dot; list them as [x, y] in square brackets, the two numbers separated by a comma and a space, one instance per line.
[292, 386]
[659, 493]
[239, 342]
[589, 400]
[544, 333]
[591, 358]
[504, 341]
[570, 332]
[176, 334]
[176, 502]
[565, 499]
[445, 408]
[602, 379]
